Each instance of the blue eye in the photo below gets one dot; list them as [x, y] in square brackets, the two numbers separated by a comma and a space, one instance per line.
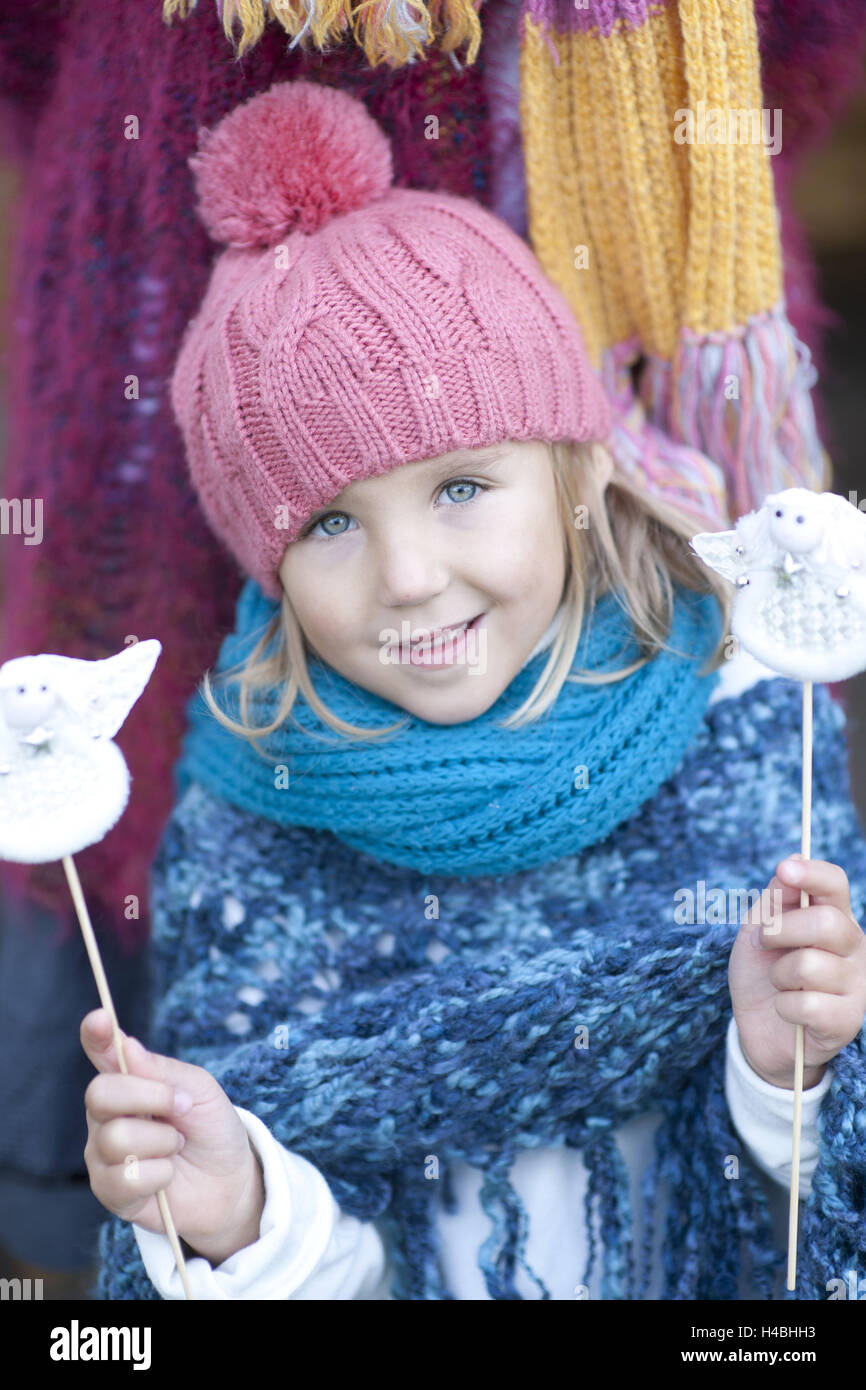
[326, 521]
[462, 482]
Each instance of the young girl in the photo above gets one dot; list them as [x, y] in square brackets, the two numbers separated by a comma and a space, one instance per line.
[439, 1008]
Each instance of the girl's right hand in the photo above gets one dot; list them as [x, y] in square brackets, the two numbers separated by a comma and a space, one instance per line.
[143, 1136]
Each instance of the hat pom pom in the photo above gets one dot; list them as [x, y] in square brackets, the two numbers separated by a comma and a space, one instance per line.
[290, 158]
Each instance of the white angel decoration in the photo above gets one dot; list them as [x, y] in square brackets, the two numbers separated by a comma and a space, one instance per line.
[64, 783]
[798, 563]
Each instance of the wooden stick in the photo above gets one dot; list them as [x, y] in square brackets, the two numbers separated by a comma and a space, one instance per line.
[799, 1055]
[108, 1004]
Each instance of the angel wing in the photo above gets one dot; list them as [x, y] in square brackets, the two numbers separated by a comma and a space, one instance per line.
[98, 693]
[103, 692]
[718, 549]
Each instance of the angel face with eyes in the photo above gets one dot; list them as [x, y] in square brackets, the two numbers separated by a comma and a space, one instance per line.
[26, 701]
[793, 524]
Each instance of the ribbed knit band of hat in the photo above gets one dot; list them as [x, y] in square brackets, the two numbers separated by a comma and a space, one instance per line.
[350, 327]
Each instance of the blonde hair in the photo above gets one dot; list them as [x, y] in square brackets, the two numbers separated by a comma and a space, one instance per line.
[634, 545]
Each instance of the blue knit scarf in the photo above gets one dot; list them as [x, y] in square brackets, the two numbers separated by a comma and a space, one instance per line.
[469, 1054]
[471, 798]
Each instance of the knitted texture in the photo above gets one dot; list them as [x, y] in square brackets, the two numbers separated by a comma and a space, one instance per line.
[126, 548]
[688, 267]
[350, 328]
[369, 1028]
[470, 798]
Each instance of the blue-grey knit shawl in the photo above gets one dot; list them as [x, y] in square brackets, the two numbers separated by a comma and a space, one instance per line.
[369, 1031]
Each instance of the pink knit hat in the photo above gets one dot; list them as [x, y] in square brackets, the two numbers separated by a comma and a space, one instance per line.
[351, 327]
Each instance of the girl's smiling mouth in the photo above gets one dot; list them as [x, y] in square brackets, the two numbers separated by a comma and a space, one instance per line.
[445, 646]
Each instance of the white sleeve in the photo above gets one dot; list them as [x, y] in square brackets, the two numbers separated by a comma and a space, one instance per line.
[764, 1116]
[307, 1248]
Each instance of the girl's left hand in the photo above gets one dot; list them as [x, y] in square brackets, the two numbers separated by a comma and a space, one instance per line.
[808, 966]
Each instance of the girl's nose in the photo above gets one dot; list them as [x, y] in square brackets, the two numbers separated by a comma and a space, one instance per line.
[408, 571]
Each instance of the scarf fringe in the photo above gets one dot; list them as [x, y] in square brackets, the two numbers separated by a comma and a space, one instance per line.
[506, 1243]
[838, 1193]
[743, 399]
[609, 1185]
[713, 453]
[650, 457]
[408, 1224]
[392, 31]
[702, 1260]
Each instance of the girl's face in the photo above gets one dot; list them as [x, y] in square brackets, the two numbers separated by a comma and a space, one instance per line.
[382, 578]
